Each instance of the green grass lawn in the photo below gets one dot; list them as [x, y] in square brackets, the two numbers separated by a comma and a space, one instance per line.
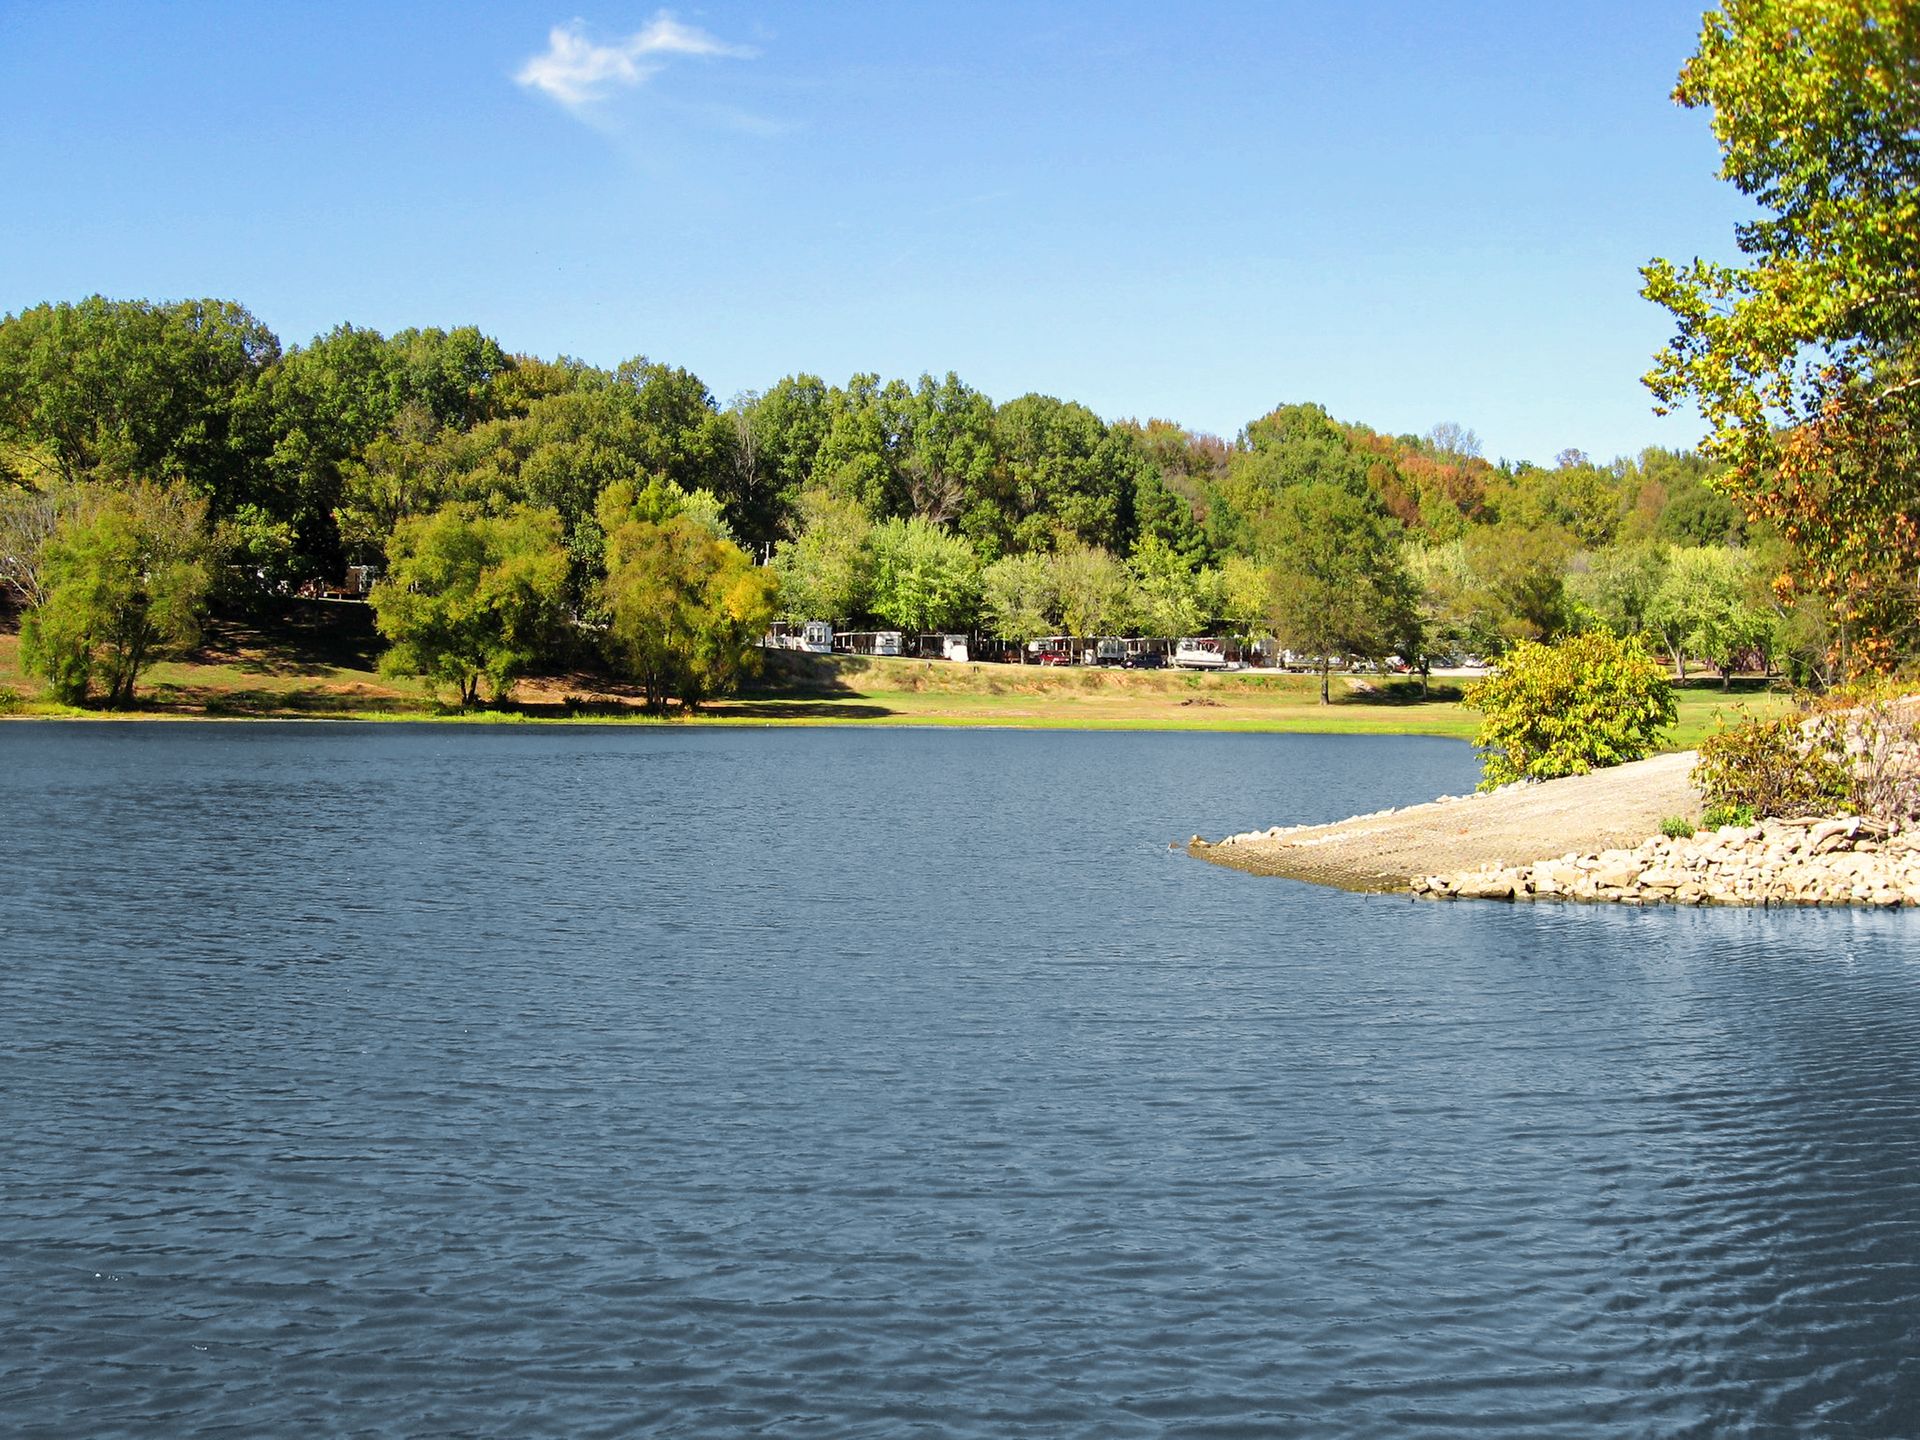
[320, 661]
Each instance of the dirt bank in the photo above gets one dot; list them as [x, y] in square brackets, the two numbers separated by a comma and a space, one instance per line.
[1609, 808]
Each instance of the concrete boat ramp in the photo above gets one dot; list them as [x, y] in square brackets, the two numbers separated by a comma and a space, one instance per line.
[1608, 809]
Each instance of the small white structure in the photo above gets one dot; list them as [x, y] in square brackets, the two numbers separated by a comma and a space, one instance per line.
[814, 636]
[946, 647]
[1199, 652]
[867, 642]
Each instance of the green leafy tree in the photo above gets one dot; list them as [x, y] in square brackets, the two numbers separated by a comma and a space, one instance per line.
[118, 388]
[861, 451]
[316, 410]
[1166, 590]
[1289, 447]
[405, 471]
[1168, 518]
[453, 373]
[262, 550]
[947, 453]
[1246, 597]
[1576, 498]
[1705, 605]
[683, 438]
[1091, 590]
[922, 579]
[470, 596]
[1615, 587]
[1580, 704]
[1803, 358]
[1520, 574]
[789, 423]
[1017, 599]
[1453, 621]
[1340, 586]
[123, 581]
[1061, 475]
[686, 609]
[657, 501]
[824, 570]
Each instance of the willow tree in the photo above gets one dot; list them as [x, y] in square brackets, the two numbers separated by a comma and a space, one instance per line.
[685, 606]
[1805, 357]
[122, 581]
[471, 596]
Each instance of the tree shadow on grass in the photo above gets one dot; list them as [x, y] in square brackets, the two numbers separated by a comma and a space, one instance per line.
[293, 637]
[790, 674]
[747, 708]
[304, 700]
[1397, 692]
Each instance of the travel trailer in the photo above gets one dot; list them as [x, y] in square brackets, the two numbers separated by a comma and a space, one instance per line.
[867, 642]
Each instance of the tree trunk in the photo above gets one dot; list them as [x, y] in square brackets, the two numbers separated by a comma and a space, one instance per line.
[1325, 666]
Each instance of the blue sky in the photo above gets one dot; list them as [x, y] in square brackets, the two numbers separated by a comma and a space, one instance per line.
[1407, 212]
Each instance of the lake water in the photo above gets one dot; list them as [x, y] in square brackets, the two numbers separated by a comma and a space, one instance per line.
[422, 1081]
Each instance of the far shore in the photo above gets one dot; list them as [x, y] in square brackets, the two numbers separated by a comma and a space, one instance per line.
[321, 663]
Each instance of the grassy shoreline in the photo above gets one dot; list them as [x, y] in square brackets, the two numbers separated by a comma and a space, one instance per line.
[318, 662]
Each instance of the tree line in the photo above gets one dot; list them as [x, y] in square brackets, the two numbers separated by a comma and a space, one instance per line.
[526, 512]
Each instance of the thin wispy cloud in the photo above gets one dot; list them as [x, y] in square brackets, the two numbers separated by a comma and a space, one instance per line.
[577, 71]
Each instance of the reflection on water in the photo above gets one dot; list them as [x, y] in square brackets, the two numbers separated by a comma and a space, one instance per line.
[415, 1081]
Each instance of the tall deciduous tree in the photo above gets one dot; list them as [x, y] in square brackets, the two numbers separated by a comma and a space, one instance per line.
[119, 388]
[1616, 586]
[1805, 358]
[1706, 605]
[1092, 591]
[1017, 598]
[922, 578]
[1340, 586]
[824, 569]
[1166, 590]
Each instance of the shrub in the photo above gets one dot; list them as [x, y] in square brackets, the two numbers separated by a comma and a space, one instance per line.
[1676, 827]
[125, 578]
[9, 700]
[1877, 742]
[1563, 709]
[1717, 815]
[1773, 767]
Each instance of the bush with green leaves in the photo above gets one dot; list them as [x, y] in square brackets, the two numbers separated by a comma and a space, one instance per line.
[124, 580]
[1580, 704]
[1776, 767]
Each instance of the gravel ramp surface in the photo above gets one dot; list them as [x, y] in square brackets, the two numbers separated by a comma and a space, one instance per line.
[1613, 808]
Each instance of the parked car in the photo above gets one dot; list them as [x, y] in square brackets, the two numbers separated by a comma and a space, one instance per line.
[1145, 660]
[1054, 657]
